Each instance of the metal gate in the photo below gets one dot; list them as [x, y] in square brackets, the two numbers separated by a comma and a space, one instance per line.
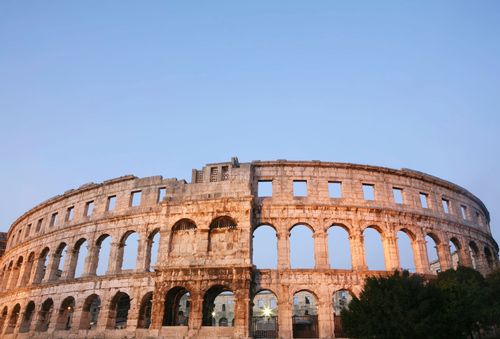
[305, 326]
[338, 330]
[265, 327]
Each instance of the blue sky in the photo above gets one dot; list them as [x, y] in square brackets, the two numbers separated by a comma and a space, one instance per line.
[94, 90]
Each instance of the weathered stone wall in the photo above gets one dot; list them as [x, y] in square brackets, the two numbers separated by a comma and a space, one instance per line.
[205, 245]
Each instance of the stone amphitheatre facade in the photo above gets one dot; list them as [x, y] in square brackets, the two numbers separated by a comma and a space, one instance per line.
[194, 276]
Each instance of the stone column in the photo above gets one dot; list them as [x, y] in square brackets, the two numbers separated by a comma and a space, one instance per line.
[285, 313]
[70, 264]
[115, 258]
[142, 253]
[242, 313]
[283, 237]
[196, 312]
[391, 255]
[464, 254]
[22, 272]
[91, 261]
[420, 256]
[52, 267]
[325, 314]
[321, 250]
[444, 256]
[356, 242]
[163, 247]
[157, 309]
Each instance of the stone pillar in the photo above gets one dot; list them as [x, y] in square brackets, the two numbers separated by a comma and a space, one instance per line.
[356, 242]
[164, 245]
[91, 261]
[444, 256]
[142, 253]
[321, 250]
[325, 314]
[242, 313]
[196, 312]
[420, 256]
[52, 267]
[464, 255]
[70, 264]
[133, 312]
[285, 313]
[14, 274]
[157, 309]
[115, 258]
[21, 281]
[391, 255]
[283, 238]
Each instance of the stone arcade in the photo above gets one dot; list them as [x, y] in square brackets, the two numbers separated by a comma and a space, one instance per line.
[203, 283]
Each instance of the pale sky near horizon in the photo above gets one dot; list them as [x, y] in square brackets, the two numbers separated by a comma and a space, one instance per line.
[94, 90]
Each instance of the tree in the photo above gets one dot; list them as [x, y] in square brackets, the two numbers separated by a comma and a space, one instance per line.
[398, 306]
[464, 291]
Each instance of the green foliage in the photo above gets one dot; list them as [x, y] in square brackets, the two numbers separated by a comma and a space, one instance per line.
[406, 306]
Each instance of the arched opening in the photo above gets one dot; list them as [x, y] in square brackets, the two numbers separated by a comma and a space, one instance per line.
[90, 312]
[153, 245]
[14, 316]
[42, 265]
[341, 300]
[65, 315]
[431, 242]
[44, 315]
[221, 236]
[59, 258]
[27, 270]
[474, 254]
[15, 273]
[405, 249]
[301, 247]
[177, 307]
[128, 251]
[489, 258]
[79, 253]
[265, 247]
[29, 311]
[182, 238]
[339, 248]
[374, 249]
[265, 315]
[3, 317]
[218, 303]
[103, 249]
[118, 311]
[145, 311]
[5, 277]
[455, 253]
[305, 315]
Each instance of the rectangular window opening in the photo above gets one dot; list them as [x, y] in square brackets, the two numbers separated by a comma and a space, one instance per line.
[39, 225]
[214, 173]
[70, 213]
[265, 188]
[424, 200]
[135, 198]
[300, 188]
[89, 208]
[446, 205]
[53, 219]
[369, 192]
[225, 173]
[162, 192]
[28, 231]
[398, 195]
[335, 189]
[111, 203]
[463, 211]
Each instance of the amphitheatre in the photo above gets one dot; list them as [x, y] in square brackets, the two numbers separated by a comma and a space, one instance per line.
[194, 275]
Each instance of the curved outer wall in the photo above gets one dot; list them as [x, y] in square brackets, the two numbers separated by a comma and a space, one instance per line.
[211, 256]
